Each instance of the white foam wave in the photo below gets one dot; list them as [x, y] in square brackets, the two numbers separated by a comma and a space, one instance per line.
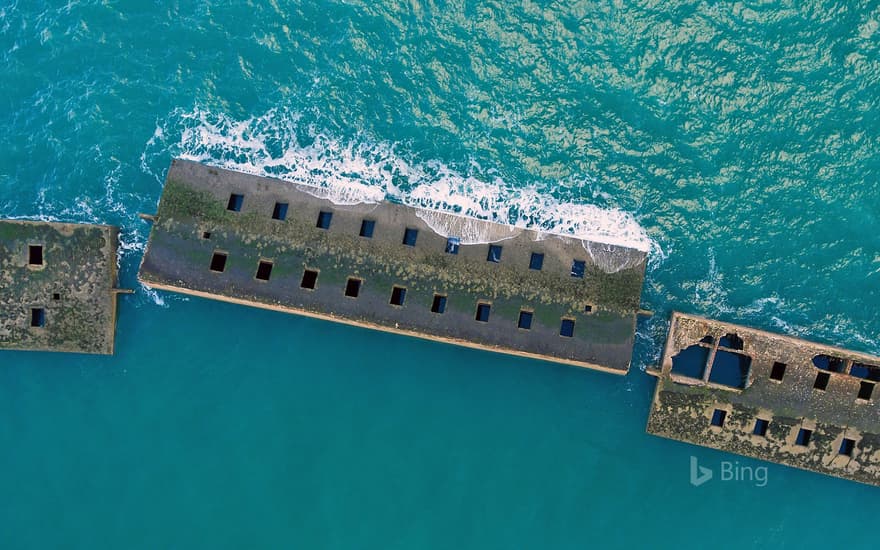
[364, 171]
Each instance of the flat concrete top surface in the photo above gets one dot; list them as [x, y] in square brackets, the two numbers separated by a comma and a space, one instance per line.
[719, 383]
[579, 297]
[57, 285]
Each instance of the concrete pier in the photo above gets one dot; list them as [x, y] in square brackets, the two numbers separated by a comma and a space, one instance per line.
[57, 286]
[273, 244]
[771, 397]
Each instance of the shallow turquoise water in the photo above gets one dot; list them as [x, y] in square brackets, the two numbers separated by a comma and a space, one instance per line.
[744, 140]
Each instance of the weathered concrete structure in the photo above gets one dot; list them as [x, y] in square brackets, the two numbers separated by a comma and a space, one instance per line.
[279, 245]
[771, 397]
[57, 286]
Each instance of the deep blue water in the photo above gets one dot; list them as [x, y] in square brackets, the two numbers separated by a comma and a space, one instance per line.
[739, 142]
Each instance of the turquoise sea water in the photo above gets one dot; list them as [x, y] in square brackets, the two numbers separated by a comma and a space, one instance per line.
[739, 142]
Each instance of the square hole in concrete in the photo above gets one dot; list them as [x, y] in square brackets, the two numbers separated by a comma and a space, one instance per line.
[821, 382]
[847, 446]
[578, 268]
[235, 202]
[730, 369]
[410, 236]
[588, 308]
[367, 228]
[324, 219]
[309, 279]
[35, 254]
[718, 417]
[483, 311]
[778, 371]
[452, 244]
[56, 296]
[38, 317]
[691, 361]
[439, 304]
[494, 255]
[567, 328]
[264, 270]
[398, 296]
[218, 262]
[761, 426]
[525, 320]
[536, 262]
[353, 287]
[803, 437]
[206, 235]
[866, 389]
[868, 372]
[280, 211]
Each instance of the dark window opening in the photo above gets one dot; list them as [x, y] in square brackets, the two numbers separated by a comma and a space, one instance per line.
[536, 262]
[803, 437]
[718, 418]
[452, 244]
[410, 236]
[730, 369]
[578, 267]
[264, 270]
[280, 211]
[778, 371]
[731, 340]
[38, 317]
[439, 304]
[206, 235]
[35, 254]
[483, 312]
[218, 262]
[821, 382]
[567, 328]
[707, 339]
[868, 372]
[398, 295]
[367, 228]
[56, 296]
[235, 202]
[324, 219]
[494, 255]
[353, 287]
[588, 309]
[525, 320]
[847, 446]
[690, 362]
[865, 390]
[832, 364]
[761, 427]
[309, 280]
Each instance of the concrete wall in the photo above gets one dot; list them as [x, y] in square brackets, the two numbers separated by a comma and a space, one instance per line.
[194, 204]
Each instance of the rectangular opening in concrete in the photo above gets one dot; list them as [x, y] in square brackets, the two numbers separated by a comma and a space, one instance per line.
[483, 310]
[264, 270]
[803, 437]
[398, 295]
[718, 417]
[309, 279]
[439, 304]
[536, 261]
[367, 228]
[731, 340]
[353, 287]
[235, 202]
[847, 446]
[280, 211]
[691, 361]
[868, 372]
[525, 320]
[578, 268]
[452, 244]
[567, 328]
[761, 426]
[777, 372]
[730, 369]
[324, 219]
[410, 236]
[38, 317]
[866, 389]
[35, 254]
[588, 308]
[56, 295]
[832, 364]
[494, 255]
[821, 382]
[218, 262]
[206, 235]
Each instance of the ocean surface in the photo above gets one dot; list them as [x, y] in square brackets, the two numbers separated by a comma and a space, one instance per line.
[738, 142]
